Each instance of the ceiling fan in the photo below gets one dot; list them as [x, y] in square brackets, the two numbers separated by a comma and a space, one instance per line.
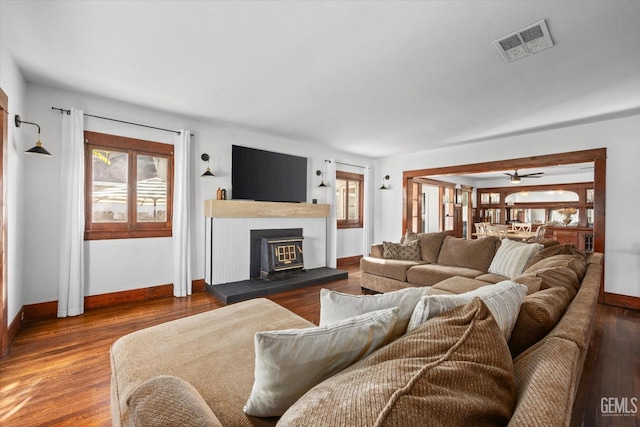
[515, 178]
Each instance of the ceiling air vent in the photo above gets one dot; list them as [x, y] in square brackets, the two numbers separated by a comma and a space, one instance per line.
[524, 42]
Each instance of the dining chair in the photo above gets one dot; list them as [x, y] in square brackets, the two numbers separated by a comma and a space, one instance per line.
[539, 237]
[521, 226]
[481, 230]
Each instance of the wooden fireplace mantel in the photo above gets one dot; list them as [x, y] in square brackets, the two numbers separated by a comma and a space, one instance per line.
[252, 209]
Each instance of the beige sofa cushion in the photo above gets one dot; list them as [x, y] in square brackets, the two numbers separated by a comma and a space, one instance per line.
[430, 274]
[491, 278]
[552, 277]
[539, 313]
[169, 402]
[472, 254]
[391, 268]
[530, 281]
[559, 249]
[337, 306]
[430, 244]
[459, 285]
[290, 362]
[454, 370]
[573, 262]
[503, 300]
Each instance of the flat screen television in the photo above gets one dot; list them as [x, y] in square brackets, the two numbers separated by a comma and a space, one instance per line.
[267, 176]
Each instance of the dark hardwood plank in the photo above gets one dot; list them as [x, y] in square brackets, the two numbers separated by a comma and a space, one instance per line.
[611, 369]
[57, 371]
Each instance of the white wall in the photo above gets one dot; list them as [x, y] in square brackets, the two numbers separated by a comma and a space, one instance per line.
[115, 265]
[619, 136]
[13, 85]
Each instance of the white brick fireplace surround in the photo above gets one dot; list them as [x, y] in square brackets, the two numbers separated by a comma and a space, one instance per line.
[228, 228]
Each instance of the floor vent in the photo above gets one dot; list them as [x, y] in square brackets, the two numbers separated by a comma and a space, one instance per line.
[524, 42]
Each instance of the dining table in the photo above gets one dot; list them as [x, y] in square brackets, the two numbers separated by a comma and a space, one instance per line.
[520, 235]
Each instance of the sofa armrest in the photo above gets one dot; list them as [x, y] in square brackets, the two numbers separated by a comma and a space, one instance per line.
[171, 402]
[376, 251]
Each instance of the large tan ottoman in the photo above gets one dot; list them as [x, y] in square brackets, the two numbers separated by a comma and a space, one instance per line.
[213, 351]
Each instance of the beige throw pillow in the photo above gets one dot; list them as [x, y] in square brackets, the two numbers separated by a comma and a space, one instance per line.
[454, 370]
[511, 257]
[290, 362]
[503, 299]
[336, 306]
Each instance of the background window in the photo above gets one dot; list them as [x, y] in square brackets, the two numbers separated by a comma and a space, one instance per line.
[129, 187]
[349, 199]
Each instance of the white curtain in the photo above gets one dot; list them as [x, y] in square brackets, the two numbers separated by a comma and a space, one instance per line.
[71, 274]
[181, 215]
[367, 224]
[332, 224]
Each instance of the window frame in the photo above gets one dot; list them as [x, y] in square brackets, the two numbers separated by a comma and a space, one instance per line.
[351, 177]
[131, 229]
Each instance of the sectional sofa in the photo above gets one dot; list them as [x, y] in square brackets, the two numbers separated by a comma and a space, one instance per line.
[454, 369]
[437, 257]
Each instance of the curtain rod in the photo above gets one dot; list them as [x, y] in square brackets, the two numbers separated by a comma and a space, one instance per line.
[347, 164]
[62, 110]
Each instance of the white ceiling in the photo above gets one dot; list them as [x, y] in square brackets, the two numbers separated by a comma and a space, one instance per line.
[373, 78]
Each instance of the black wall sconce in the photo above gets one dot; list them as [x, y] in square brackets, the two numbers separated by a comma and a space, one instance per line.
[320, 173]
[205, 158]
[385, 183]
[38, 148]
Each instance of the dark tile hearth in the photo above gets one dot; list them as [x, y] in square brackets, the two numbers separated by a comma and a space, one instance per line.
[230, 293]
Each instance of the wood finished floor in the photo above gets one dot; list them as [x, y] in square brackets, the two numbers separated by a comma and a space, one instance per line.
[57, 371]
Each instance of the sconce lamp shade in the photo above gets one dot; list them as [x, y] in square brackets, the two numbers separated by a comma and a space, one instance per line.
[322, 184]
[385, 183]
[205, 158]
[208, 172]
[38, 148]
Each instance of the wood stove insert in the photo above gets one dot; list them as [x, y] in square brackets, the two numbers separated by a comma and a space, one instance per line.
[281, 257]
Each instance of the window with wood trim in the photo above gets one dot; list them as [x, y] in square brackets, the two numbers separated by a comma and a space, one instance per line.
[349, 199]
[128, 187]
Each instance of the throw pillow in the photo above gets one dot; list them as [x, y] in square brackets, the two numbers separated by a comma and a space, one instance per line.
[290, 362]
[171, 402]
[575, 263]
[474, 254]
[454, 370]
[559, 249]
[554, 277]
[336, 306]
[539, 313]
[409, 251]
[511, 257]
[503, 299]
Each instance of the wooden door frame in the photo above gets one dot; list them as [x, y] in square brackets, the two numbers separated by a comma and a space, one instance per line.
[4, 136]
[598, 156]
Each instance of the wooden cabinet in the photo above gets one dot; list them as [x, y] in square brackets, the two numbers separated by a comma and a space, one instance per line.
[580, 237]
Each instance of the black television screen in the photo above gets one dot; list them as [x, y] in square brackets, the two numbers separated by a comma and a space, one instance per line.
[267, 176]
